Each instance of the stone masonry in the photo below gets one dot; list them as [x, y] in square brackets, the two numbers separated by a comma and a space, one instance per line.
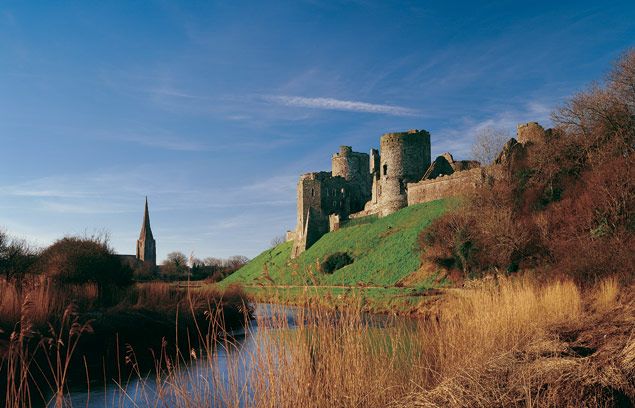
[146, 245]
[404, 158]
[382, 182]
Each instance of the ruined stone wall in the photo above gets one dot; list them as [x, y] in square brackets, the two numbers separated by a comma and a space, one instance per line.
[404, 158]
[375, 164]
[400, 174]
[445, 165]
[318, 196]
[354, 168]
[334, 222]
[530, 132]
[455, 184]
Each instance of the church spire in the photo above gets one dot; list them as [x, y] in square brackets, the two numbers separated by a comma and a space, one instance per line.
[146, 231]
[146, 245]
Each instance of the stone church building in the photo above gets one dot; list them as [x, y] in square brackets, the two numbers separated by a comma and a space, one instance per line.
[146, 245]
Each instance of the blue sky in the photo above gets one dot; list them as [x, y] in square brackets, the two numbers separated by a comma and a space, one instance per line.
[213, 109]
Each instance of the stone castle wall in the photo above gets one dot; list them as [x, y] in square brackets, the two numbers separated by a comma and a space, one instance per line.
[405, 155]
[398, 175]
[404, 158]
[455, 184]
[354, 168]
[530, 132]
[318, 196]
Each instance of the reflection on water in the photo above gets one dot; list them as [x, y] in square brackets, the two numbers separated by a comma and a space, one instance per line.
[205, 377]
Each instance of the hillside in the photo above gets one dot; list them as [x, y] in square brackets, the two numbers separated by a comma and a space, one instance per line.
[384, 252]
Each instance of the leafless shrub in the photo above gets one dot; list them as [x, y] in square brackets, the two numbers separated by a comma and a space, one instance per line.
[488, 143]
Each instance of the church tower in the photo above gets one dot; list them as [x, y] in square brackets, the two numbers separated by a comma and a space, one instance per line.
[146, 245]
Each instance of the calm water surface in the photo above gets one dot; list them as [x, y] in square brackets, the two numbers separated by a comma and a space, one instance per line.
[143, 392]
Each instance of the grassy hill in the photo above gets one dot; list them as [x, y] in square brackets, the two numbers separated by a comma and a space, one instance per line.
[384, 252]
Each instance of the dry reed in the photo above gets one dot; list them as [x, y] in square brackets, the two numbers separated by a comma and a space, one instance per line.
[507, 342]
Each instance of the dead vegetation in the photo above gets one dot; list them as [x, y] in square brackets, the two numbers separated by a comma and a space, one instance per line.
[505, 342]
[563, 203]
[576, 352]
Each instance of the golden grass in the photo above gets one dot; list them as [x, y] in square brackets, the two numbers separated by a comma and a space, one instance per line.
[504, 342]
[606, 294]
[42, 302]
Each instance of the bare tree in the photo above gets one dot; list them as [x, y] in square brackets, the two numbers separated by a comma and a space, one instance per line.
[278, 239]
[194, 262]
[212, 261]
[176, 258]
[175, 266]
[237, 261]
[488, 143]
[16, 257]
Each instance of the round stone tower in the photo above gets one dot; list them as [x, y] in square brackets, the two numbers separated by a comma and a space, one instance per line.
[342, 164]
[405, 157]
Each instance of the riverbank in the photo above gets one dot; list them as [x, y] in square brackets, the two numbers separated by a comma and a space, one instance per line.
[52, 335]
[402, 301]
[500, 343]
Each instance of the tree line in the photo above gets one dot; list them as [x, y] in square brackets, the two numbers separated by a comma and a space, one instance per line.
[178, 266]
[91, 259]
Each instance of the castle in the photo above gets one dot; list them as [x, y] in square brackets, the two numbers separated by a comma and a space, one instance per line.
[382, 182]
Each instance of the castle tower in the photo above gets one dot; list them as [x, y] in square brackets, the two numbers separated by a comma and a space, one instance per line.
[404, 158]
[318, 196]
[354, 168]
[146, 245]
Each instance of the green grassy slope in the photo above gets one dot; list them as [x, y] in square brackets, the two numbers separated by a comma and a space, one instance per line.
[384, 251]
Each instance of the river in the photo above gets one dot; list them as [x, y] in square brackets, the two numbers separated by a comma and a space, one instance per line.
[231, 365]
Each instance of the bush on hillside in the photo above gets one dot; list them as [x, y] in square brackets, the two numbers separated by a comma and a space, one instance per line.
[335, 261]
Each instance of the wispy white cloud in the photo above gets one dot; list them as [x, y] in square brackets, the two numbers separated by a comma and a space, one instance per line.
[119, 190]
[46, 187]
[280, 185]
[175, 93]
[161, 142]
[86, 208]
[339, 104]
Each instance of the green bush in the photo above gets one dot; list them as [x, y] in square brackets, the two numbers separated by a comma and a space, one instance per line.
[335, 261]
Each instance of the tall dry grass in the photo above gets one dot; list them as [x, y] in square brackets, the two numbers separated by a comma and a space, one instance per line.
[505, 342]
[46, 301]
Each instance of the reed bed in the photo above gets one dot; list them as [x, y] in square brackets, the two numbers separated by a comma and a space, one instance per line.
[505, 342]
[42, 302]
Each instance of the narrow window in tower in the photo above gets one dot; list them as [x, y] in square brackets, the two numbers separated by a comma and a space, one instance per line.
[312, 193]
[385, 169]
